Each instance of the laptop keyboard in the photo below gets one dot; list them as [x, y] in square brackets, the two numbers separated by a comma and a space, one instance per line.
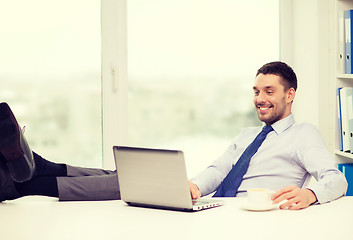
[197, 203]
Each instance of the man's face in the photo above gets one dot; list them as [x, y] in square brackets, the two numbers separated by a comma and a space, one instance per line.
[271, 101]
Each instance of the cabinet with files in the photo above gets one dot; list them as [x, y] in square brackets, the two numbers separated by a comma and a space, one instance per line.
[343, 83]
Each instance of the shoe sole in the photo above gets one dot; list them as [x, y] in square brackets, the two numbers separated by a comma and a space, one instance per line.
[19, 164]
[10, 145]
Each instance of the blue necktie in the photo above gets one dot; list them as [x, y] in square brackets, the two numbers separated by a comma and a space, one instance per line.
[231, 183]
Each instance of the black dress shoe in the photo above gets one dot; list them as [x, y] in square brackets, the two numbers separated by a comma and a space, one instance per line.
[7, 185]
[14, 147]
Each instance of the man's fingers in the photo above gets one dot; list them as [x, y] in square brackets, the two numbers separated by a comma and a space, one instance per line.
[295, 205]
[281, 192]
[194, 194]
[194, 190]
[284, 194]
[290, 203]
[296, 197]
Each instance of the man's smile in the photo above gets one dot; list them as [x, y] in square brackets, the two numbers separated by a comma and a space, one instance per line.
[264, 109]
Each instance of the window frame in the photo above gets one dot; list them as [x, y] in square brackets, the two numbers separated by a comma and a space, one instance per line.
[115, 77]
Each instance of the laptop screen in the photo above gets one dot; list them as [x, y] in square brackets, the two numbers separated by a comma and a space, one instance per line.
[153, 177]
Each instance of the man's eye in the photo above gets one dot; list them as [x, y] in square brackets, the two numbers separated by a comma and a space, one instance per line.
[269, 92]
[256, 93]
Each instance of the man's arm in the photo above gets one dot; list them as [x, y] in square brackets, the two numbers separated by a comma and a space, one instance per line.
[315, 158]
[297, 198]
[209, 179]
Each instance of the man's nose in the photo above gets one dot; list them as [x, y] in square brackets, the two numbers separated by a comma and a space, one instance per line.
[261, 98]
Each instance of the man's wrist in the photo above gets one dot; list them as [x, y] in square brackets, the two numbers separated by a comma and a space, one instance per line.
[313, 198]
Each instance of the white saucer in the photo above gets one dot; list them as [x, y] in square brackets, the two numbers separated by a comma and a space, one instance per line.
[264, 207]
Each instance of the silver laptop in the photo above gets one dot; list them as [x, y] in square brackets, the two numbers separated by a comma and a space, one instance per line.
[156, 178]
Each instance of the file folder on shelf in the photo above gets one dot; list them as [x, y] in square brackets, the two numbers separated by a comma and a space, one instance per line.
[341, 42]
[347, 170]
[339, 120]
[348, 14]
[350, 116]
[344, 120]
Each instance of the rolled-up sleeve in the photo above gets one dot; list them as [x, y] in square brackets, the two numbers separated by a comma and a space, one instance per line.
[317, 160]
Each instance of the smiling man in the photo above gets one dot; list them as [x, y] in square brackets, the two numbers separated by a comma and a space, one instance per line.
[285, 157]
[272, 97]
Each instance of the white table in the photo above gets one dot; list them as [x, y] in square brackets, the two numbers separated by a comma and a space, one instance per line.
[46, 218]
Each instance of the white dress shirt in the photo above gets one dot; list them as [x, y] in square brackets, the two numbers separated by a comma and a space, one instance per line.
[288, 156]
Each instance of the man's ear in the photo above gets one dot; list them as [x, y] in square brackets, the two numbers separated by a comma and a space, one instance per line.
[291, 94]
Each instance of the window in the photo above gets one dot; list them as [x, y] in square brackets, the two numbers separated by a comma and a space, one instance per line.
[191, 67]
[50, 76]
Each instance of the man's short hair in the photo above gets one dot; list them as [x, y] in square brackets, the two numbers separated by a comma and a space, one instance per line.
[282, 70]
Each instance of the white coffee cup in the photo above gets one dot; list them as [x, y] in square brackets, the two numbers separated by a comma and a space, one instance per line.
[259, 196]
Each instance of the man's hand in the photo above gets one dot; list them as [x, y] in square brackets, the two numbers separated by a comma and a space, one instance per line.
[194, 190]
[298, 198]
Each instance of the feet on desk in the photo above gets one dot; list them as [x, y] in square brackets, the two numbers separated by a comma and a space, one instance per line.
[7, 185]
[14, 148]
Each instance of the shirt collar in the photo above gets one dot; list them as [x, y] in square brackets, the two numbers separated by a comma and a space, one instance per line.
[283, 124]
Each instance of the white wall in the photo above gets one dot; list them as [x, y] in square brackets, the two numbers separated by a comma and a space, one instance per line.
[307, 51]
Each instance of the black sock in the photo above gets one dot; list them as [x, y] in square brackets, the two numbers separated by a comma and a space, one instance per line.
[46, 168]
[43, 186]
